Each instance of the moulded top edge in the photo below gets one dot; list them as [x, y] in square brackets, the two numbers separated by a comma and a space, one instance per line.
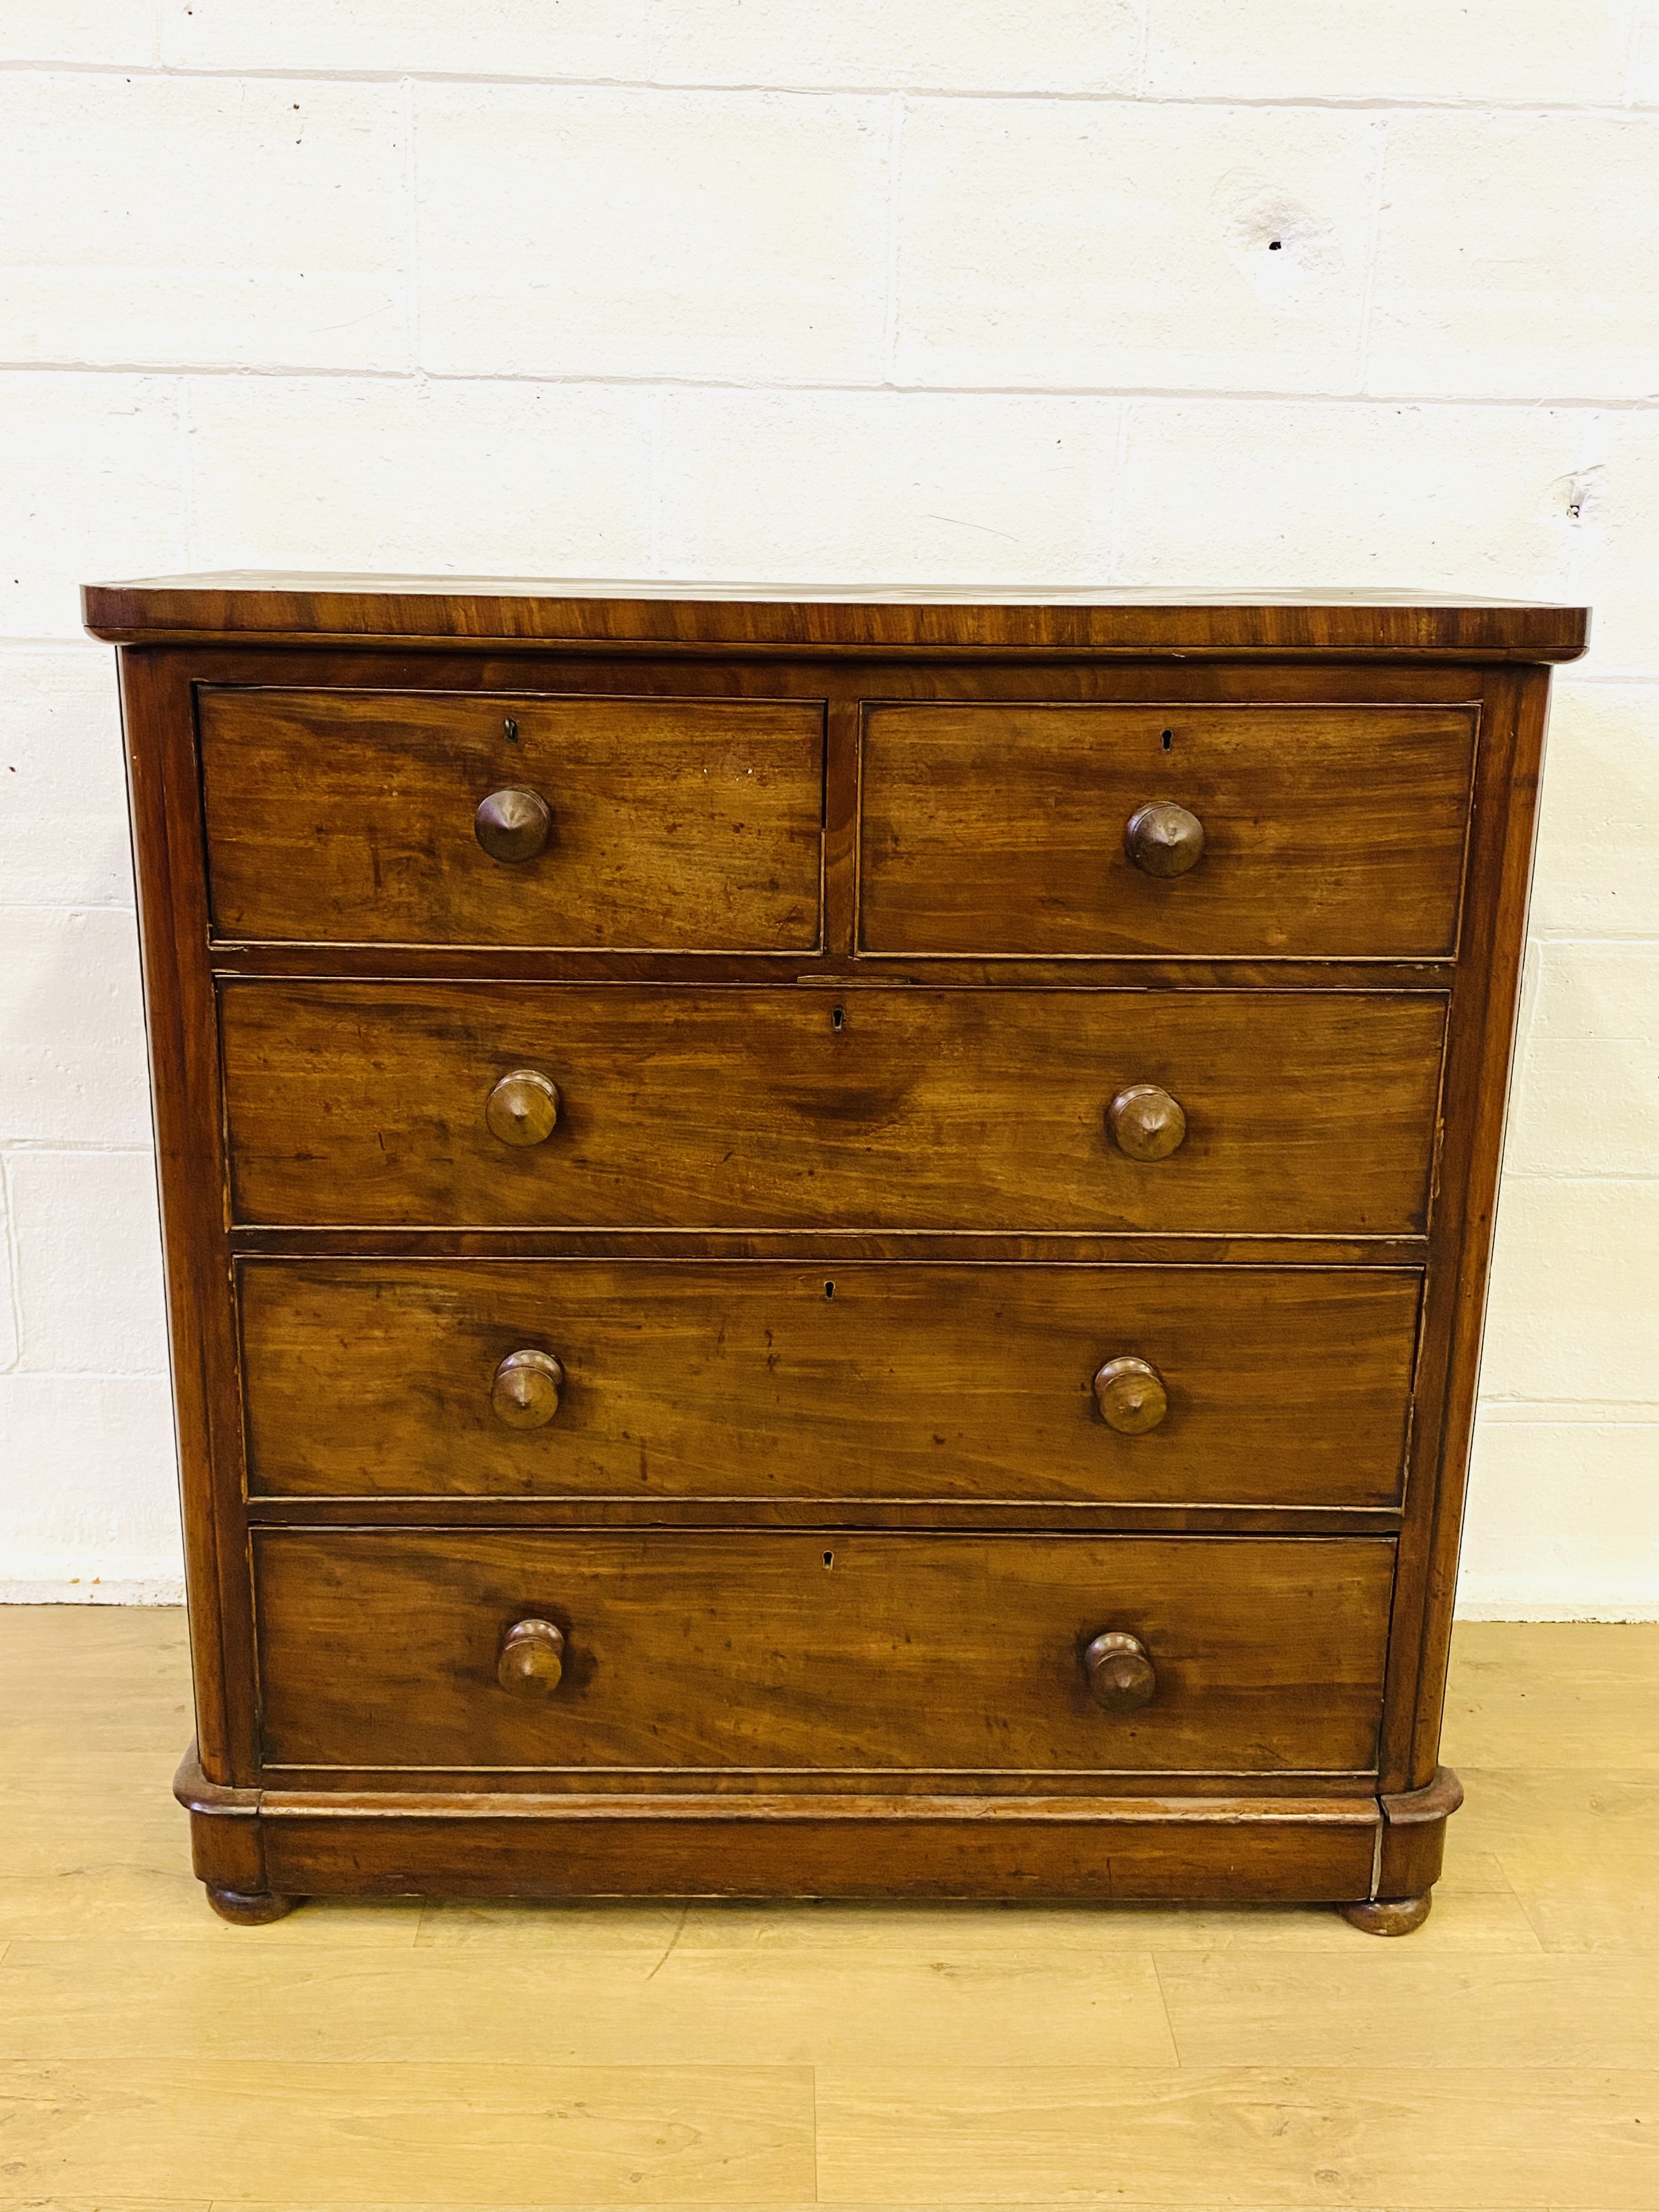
[509, 612]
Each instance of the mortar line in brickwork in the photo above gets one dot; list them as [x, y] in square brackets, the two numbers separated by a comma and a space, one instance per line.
[1639, 22]
[1576, 1413]
[1588, 475]
[412, 228]
[120, 1375]
[1120, 469]
[1190, 396]
[14, 1270]
[66, 906]
[186, 474]
[653, 484]
[48, 1147]
[891, 304]
[1373, 239]
[1578, 1175]
[1613, 111]
[1563, 936]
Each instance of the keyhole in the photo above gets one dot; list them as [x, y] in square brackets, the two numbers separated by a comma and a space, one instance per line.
[1168, 740]
[828, 1559]
[829, 1289]
[510, 730]
[838, 1018]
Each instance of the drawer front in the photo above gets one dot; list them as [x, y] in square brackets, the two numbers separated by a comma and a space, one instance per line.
[791, 1653]
[681, 824]
[1304, 1112]
[868, 1381]
[1329, 832]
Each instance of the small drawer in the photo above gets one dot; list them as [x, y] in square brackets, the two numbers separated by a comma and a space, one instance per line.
[569, 1105]
[391, 818]
[863, 1381]
[1320, 832]
[790, 1654]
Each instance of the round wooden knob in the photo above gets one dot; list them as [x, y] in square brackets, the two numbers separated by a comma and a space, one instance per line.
[532, 1658]
[1164, 839]
[1146, 1123]
[1130, 1394]
[526, 1392]
[522, 1108]
[513, 825]
[1121, 1676]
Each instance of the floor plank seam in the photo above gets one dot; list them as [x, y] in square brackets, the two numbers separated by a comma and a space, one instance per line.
[1163, 2000]
[679, 1930]
[812, 2094]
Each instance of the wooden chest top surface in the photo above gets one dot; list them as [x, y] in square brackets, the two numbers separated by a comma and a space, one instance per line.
[316, 608]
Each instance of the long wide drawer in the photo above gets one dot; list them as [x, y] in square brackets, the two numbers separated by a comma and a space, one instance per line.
[1273, 832]
[785, 1653]
[611, 1379]
[597, 1106]
[386, 817]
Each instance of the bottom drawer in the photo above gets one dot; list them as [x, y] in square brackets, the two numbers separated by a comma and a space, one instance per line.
[778, 1653]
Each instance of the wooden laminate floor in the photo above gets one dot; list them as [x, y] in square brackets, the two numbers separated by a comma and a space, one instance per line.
[776, 2057]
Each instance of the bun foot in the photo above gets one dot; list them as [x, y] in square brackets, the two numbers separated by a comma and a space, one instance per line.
[249, 1908]
[1388, 1916]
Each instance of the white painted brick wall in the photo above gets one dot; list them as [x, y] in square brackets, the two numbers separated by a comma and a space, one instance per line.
[228, 223]
[1587, 1098]
[1597, 871]
[1573, 1320]
[1621, 532]
[1516, 257]
[1464, 53]
[114, 31]
[73, 1069]
[587, 233]
[933, 45]
[1180, 292]
[458, 38]
[88, 1263]
[415, 474]
[1094, 245]
[10, 1330]
[88, 465]
[60, 732]
[908, 487]
[1285, 494]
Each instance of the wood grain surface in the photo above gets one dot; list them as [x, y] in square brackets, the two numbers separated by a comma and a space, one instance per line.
[778, 1652]
[1309, 1112]
[1329, 832]
[689, 823]
[1086, 1850]
[502, 612]
[926, 1105]
[1285, 1386]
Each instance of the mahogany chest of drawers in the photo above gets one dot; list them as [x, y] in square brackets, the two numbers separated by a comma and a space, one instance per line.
[824, 1247]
